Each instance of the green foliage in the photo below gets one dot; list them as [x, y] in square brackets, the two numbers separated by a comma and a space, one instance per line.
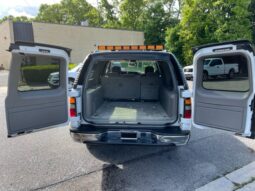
[130, 13]
[174, 42]
[109, 13]
[252, 18]
[152, 17]
[155, 20]
[210, 21]
[39, 73]
[71, 66]
[16, 19]
[41, 67]
[179, 24]
[69, 12]
[50, 13]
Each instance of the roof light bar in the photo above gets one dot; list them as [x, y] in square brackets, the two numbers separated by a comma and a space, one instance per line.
[130, 47]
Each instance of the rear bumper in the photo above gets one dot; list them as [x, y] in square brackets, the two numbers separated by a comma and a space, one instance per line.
[131, 137]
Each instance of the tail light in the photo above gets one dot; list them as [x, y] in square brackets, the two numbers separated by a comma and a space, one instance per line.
[187, 108]
[73, 111]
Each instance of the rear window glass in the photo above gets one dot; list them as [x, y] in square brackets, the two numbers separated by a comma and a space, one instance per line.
[39, 73]
[227, 73]
[138, 66]
[188, 70]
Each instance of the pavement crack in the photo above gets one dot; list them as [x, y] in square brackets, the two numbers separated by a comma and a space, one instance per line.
[106, 166]
[70, 178]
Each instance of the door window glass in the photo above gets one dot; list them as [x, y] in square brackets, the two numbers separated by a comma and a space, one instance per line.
[215, 62]
[232, 76]
[39, 73]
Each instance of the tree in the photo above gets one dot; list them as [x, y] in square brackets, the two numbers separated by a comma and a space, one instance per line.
[211, 21]
[130, 13]
[16, 19]
[51, 13]
[157, 16]
[174, 42]
[173, 7]
[70, 12]
[109, 12]
[252, 18]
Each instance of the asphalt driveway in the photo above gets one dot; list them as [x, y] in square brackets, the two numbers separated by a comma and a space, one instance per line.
[50, 160]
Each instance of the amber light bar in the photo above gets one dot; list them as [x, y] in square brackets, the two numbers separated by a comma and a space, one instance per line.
[131, 47]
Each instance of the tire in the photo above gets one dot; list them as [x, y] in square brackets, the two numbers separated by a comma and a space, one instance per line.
[205, 76]
[231, 74]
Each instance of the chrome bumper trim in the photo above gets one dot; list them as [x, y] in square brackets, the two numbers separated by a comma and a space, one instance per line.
[156, 139]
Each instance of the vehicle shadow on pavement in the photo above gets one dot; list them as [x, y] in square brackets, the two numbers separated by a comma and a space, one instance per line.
[172, 168]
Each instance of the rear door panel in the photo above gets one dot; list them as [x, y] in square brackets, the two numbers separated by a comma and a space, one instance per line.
[222, 102]
[33, 101]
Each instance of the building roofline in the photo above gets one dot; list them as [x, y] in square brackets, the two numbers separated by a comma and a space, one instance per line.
[6, 21]
[83, 26]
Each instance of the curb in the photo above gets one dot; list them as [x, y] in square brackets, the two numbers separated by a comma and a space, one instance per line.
[242, 179]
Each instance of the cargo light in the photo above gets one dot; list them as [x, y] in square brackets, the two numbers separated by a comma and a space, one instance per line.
[73, 112]
[130, 47]
[187, 108]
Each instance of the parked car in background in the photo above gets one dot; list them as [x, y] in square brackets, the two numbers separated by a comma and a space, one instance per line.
[214, 67]
[53, 78]
[188, 72]
[72, 74]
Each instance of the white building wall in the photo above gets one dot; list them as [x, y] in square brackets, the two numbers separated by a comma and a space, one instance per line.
[6, 37]
[83, 40]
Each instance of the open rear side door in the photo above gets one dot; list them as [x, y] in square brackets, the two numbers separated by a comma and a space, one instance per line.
[37, 87]
[225, 101]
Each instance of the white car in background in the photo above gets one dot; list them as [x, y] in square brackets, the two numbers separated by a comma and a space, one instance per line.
[73, 73]
[53, 78]
[188, 72]
[214, 67]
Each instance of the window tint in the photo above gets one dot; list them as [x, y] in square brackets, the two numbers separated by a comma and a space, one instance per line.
[216, 62]
[207, 61]
[232, 76]
[39, 73]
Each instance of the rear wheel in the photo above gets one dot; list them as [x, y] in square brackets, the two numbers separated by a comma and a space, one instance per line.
[231, 74]
[205, 76]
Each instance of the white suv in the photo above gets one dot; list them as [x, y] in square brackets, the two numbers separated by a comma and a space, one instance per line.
[53, 78]
[144, 99]
[188, 72]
